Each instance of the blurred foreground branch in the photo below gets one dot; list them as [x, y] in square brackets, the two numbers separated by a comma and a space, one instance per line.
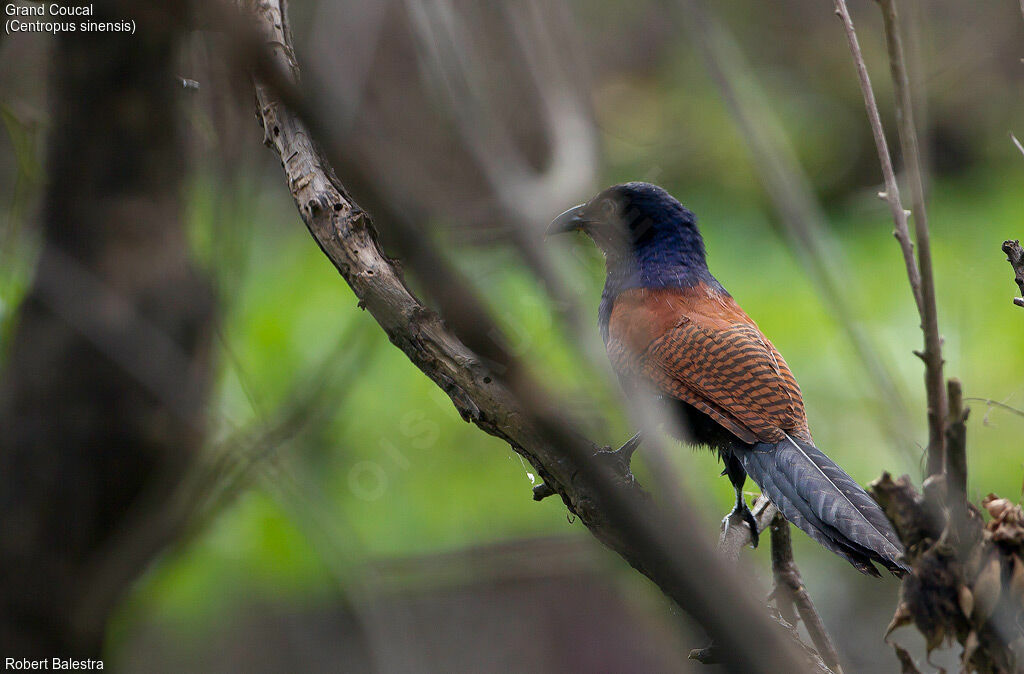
[102, 398]
[493, 389]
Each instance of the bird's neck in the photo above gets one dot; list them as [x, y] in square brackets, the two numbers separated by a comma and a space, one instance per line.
[675, 266]
[681, 264]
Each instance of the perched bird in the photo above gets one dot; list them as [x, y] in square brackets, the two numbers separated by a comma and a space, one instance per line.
[670, 326]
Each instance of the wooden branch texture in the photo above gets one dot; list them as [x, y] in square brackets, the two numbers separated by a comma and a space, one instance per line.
[501, 398]
[935, 380]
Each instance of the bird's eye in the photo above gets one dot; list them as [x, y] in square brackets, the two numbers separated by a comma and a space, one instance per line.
[608, 207]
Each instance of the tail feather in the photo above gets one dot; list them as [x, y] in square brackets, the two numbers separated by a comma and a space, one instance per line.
[819, 497]
[793, 507]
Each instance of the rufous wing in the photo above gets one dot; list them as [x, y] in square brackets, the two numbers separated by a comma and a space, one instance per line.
[700, 347]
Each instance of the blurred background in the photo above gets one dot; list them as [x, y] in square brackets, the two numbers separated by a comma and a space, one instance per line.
[347, 518]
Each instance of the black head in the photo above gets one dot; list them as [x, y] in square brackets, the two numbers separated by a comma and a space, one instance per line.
[631, 217]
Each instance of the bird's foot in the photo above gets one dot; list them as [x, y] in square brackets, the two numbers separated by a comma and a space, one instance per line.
[741, 515]
[619, 459]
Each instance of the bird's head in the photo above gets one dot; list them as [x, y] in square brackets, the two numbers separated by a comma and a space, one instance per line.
[647, 237]
[634, 222]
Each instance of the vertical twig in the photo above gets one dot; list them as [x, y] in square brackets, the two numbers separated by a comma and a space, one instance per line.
[932, 354]
[892, 191]
[956, 460]
[921, 278]
[790, 593]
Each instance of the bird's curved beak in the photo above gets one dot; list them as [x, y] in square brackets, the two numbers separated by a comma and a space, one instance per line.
[572, 220]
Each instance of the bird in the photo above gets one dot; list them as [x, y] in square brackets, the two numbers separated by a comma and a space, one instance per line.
[670, 328]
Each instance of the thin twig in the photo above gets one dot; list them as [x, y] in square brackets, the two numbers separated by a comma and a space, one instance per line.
[790, 592]
[935, 383]
[996, 403]
[920, 274]
[892, 190]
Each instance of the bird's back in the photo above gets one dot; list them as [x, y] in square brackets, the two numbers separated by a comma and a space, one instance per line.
[697, 345]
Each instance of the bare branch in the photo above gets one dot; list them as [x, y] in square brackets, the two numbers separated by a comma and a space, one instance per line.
[935, 383]
[921, 277]
[790, 592]
[892, 191]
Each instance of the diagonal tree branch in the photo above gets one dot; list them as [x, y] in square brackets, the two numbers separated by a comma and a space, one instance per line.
[490, 387]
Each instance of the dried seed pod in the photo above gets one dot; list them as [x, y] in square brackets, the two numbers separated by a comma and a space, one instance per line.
[966, 599]
[987, 588]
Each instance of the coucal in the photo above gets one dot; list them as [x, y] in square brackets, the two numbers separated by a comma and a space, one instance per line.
[670, 326]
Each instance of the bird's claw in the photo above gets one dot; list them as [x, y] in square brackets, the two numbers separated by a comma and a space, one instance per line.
[617, 461]
[620, 458]
[742, 514]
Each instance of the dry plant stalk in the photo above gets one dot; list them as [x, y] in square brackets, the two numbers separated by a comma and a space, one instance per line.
[792, 598]
[974, 597]
[920, 274]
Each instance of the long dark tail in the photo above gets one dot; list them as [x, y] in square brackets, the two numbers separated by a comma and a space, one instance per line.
[819, 497]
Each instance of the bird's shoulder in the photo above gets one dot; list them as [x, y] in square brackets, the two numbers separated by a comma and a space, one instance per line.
[641, 316]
